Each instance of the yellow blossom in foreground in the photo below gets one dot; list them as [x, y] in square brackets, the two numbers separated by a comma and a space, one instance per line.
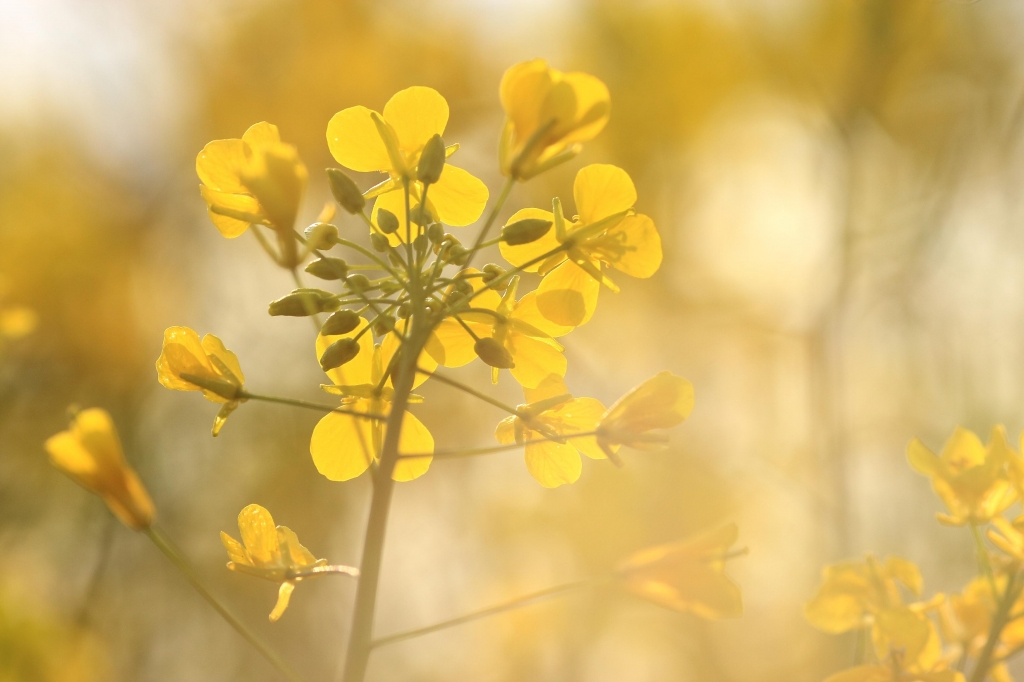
[343, 445]
[607, 233]
[391, 142]
[208, 366]
[853, 592]
[661, 402]
[970, 478]
[255, 179]
[687, 576]
[268, 552]
[547, 115]
[550, 411]
[90, 453]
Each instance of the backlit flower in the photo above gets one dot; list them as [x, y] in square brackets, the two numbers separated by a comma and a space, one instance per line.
[661, 402]
[607, 233]
[90, 453]
[853, 592]
[547, 115]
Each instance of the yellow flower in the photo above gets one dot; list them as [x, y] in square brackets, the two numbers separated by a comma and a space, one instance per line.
[255, 179]
[268, 552]
[550, 411]
[661, 402]
[90, 453]
[365, 141]
[208, 366]
[853, 592]
[907, 632]
[17, 322]
[607, 233]
[970, 478]
[343, 446]
[965, 618]
[687, 576]
[516, 326]
[547, 115]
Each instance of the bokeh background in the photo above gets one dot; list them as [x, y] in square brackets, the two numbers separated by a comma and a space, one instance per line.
[837, 184]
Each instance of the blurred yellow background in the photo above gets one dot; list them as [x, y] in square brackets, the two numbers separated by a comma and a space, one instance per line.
[837, 186]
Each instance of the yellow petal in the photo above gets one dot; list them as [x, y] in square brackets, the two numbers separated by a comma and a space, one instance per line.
[354, 141]
[356, 371]
[390, 345]
[863, 673]
[553, 464]
[549, 387]
[633, 246]
[259, 536]
[261, 136]
[567, 296]
[182, 353]
[526, 311]
[129, 501]
[505, 432]
[535, 359]
[661, 402]
[458, 198]
[277, 177]
[581, 416]
[923, 460]
[602, 190]
[342, 445]
[284, 595]
[521, 254]
[293, 553]
[241, 203]
[963, 450]
[215, 347]
[456, 345]
[219, 165]
[234, 548]
[591, 97]
[415, 439]
[416, 114]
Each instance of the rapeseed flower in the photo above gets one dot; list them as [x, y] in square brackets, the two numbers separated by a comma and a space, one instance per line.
[392, 142]
[661, 402]
[607, 233]
[853, 592]
[545, 424]
[268, 552]
[90, 453]
[687, 576]
[970, 478]
[188, 364]
[547, 115]
[343, 446]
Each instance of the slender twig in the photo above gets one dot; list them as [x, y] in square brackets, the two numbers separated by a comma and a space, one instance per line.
[350, 571]
[984, 562]
[164, 544]
[309, 405]
[995, 631]
[468, 389]
[491, 217]
[455, 454]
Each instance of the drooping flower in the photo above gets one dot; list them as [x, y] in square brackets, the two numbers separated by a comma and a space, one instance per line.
[687, 576]
[853, 592]
[518, 332]
[573, 257]
[392, 142]
[661, 402]
[547, 115]
[269, 552]
[970, 478]
[90, 453]
[545, 424]
[343, 446]
[188, 364]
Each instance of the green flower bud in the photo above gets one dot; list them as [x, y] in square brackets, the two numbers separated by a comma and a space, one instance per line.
[345, 191]
[420, 244]
[525, 231]
[387, 221]
[304, 302]
[405, 310]
[383, 324]
[458, 255]
[341, 322]
[339, 352]
[493, 353]
[357, 282]
[389, 286]
[321, 236]
[492, 271]
[379, 242]
[431, 161]
[421, 215]
[328, 268]
[435, 233]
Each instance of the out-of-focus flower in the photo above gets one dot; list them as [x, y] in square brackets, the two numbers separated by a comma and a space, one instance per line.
[547, 115]
[661, 402]
[268, 552]
[970, 478]
[17, 322]
[392, 143]
[853, 592]
[886, 673]
[908, 632]
[90, 453]
[607, 233]
[687, 576]
[522, 339]
[344, 445]
[188, 364]
[544, 423]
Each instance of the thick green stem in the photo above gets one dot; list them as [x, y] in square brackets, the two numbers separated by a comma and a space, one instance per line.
[995, 631]
[164, 544]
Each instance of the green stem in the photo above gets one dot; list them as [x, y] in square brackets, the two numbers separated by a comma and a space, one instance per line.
[491, 217]
[171, 552]
[995, 631]
[309, 405]
[984, 562]
[468, 389]
[455, 454]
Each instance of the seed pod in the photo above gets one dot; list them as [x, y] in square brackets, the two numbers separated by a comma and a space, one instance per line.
[357, 282]
[304, 302]
[525, 231]
[493, 353]
[383, 324]
[379, 242]
[328, 268]
[492, 271]
[431, 161]
[321, 236]
[341, 322]
[387, 221]
[345, 191]
[339, 352]
[435, 233]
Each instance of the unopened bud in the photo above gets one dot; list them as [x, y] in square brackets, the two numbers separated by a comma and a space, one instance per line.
[492, 271]
[458, 255]
[431, 161]
[304, 302]
[493, 353]
[345, 191]
[338, 353]
[328, 268]
[321, 236]
[341, 322]
[379, 242]
[421, 215]
[404, 311]
[435, 233]
[387, 221]
[389, 286]
[383, 324]
[525, 231]
[420, 244]
[357, 282]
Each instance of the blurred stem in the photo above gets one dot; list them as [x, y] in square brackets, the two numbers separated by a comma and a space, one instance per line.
[984, 561]
[309, 405]
[995, 631]
[491, 217]
[171, 552]
[516, 603]
[860, 646]
[453, 454]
